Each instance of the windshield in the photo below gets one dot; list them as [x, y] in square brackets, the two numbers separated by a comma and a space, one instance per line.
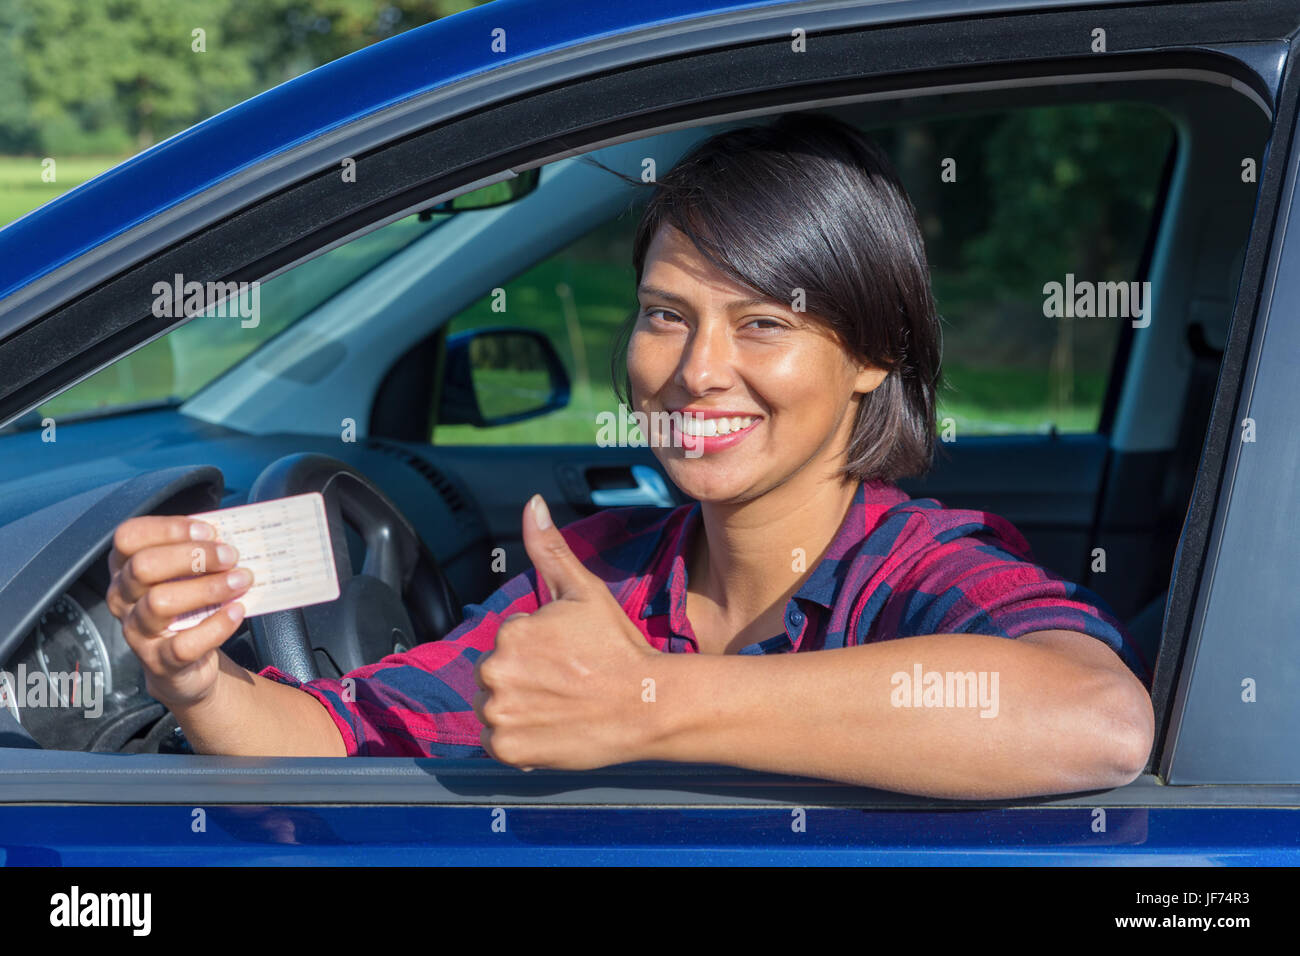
[175, 366]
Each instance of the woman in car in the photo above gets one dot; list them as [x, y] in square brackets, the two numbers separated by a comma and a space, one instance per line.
[802, 615]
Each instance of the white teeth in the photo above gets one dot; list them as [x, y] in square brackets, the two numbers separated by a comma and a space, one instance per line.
[710, 427]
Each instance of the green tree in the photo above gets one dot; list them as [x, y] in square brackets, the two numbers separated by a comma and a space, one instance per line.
[1046, 170]
[117, 76]
[287, 37]
[121, 75]
[17, 129]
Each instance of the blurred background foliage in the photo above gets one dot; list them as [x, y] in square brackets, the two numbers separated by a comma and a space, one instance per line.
[116, 76]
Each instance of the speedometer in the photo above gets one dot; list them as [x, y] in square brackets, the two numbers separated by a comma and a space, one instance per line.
[70, 648]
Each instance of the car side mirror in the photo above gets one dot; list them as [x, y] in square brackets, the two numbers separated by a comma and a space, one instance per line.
[495, 376]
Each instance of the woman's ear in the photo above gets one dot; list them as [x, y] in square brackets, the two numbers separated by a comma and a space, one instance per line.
[869, 378]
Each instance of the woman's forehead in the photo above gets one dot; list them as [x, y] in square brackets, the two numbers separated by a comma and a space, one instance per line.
[677, 271]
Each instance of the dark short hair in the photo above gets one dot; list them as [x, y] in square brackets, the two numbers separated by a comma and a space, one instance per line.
[808, 202]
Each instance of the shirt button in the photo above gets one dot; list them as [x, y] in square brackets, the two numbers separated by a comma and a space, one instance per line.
[796, 618]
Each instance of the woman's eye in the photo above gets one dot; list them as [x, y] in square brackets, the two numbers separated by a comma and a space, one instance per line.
[762, 324]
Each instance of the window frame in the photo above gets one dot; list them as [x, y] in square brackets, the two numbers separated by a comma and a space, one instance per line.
[1209, 584]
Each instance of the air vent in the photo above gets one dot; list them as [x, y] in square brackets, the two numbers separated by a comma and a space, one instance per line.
[441, 483]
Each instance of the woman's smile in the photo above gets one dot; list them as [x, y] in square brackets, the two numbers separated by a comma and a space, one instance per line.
[703, 431]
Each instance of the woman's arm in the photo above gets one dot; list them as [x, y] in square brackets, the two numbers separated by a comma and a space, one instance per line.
[575, 685]
[249, 715]
[1066, 715]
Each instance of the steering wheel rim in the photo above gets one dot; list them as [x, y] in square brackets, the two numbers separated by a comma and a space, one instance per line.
[399, 599]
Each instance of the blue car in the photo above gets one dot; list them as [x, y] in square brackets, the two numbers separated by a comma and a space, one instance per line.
[298, 295]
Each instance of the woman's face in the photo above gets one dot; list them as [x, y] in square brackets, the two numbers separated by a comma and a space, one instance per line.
[703, 344]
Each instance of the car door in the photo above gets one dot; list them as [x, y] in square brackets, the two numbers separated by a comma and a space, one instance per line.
[402, 810]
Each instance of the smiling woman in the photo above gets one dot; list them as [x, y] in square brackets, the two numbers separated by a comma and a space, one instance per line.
[808, 214]
[786, 319]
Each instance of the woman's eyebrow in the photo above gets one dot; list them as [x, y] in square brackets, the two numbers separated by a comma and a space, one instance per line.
[674, 297]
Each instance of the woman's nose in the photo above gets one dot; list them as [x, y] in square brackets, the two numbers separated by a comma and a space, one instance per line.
[706, 361]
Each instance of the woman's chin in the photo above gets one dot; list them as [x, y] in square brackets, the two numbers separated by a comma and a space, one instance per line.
[709, 481]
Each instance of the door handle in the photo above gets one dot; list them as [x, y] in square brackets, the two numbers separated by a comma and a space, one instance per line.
[650, 490]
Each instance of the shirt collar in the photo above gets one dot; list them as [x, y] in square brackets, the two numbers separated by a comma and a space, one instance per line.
[870, 502]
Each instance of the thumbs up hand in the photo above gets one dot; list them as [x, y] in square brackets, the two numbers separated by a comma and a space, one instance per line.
[563, 686]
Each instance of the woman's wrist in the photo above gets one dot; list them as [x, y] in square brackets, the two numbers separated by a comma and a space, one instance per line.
[689, 710]
[207, 719]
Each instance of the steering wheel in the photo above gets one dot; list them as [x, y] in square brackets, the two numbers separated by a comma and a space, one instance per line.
[399, 599]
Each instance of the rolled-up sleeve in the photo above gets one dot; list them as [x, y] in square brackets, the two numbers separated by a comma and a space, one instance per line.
[420, 703]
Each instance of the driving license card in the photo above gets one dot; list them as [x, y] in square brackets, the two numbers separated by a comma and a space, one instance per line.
[286, 544]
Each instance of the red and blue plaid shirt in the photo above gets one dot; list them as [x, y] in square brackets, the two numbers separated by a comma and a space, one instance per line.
[897, 567]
